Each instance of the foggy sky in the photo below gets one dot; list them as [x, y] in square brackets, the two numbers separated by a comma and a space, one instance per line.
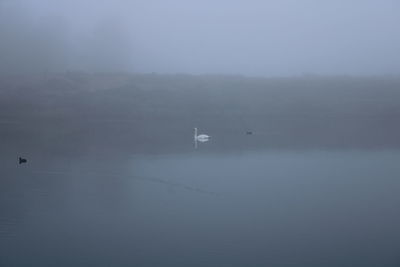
[262, 38]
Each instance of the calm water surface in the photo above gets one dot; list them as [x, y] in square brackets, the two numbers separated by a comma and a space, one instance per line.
[264, 208]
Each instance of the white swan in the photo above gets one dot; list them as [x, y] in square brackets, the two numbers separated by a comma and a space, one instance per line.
[200, 137]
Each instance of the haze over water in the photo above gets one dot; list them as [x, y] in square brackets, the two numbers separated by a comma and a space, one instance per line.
[99, 99]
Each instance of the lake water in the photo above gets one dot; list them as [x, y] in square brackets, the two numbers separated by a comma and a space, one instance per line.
[202, 208]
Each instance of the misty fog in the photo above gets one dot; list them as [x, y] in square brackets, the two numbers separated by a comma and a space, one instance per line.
[199, 133]
[256, 38]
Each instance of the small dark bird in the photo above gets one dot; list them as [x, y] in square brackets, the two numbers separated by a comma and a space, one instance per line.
[249, 132]
[22, 160]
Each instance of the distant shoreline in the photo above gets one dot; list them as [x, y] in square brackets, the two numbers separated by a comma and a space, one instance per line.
[151, 112]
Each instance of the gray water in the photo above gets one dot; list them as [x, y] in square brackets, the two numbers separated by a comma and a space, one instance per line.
[202, 208]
